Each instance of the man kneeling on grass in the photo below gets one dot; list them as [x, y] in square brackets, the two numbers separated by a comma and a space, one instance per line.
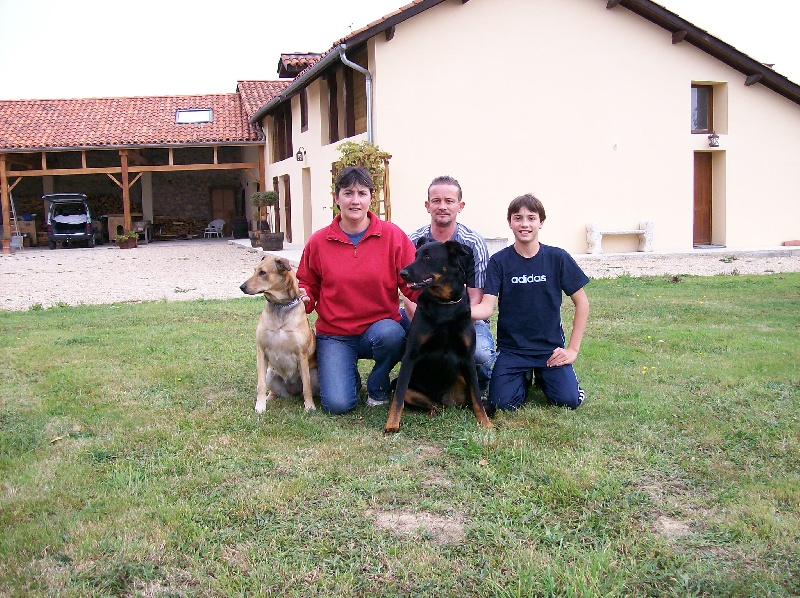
[529, 279]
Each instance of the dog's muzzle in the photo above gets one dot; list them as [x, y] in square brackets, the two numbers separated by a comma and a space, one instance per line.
[415, 285]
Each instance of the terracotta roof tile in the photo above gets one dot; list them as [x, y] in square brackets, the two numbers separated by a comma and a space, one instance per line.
[257, 93]
[291, 64]
[354, 34]
[100, 122]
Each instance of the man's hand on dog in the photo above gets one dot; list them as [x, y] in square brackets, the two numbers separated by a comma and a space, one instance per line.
[303, 297]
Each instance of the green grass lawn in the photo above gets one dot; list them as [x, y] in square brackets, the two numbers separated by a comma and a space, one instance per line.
[132, 461]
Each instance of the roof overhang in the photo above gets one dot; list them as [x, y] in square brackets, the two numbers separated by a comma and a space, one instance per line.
[681, 30]
[684, 32]
[356, 39]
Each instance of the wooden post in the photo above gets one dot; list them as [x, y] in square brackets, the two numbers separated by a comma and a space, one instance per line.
[6, 206]
[387, 201]
[126, 192]
[262, 175]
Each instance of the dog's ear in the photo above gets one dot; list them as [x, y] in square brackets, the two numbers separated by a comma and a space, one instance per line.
[422, 241]
[282, 265]
[456, 249]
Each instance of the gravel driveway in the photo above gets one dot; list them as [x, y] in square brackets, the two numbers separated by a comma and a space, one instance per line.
[214, 269]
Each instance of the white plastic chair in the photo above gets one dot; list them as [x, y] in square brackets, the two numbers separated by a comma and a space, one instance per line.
[214, 228]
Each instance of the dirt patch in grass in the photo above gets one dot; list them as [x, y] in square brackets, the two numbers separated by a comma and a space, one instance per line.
[427, 457]
[436, 479]
[671, 528]
[439, 529]
[673, 496]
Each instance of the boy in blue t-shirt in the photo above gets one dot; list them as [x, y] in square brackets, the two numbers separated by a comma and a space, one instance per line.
[529, 278]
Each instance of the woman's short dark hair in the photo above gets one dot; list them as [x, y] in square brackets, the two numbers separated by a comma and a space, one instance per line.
[351, 175]
[526, 201]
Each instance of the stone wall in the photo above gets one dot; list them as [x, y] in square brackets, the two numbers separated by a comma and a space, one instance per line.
[188, 194]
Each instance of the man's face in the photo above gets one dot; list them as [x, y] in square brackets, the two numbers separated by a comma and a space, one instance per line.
[443, 204]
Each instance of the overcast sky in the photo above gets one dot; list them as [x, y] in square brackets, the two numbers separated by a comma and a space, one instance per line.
[107, 48]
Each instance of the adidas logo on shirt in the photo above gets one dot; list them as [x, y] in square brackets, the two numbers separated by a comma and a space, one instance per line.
[529, 278]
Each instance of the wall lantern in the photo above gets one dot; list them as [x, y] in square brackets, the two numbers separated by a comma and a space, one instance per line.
[301, 154]
[713, 140]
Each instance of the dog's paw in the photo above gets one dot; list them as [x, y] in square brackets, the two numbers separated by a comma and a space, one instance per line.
[261, 406]
[391, 430]
[311, 407]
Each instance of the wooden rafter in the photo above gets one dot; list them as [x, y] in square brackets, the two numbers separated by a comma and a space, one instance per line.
[753, 79]
[679, 36]
[119, 183]
[27, 160]
[118, 170]
[136, 157]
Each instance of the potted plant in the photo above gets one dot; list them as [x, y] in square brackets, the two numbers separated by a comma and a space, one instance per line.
[265, 201]
[255, 234]
[376, 162]
[128, 240]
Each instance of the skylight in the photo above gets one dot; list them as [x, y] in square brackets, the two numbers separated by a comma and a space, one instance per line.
[183, 117]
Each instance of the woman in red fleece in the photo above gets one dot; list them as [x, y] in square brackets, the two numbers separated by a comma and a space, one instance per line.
[350, 271]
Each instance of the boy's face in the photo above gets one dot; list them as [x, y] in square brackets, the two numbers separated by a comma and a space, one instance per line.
[525, 225]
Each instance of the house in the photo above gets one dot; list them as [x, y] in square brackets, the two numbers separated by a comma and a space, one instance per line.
[610, 111]
[174, 158]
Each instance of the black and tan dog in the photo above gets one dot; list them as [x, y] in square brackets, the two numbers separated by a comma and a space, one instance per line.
[438, 368]
[286, 344]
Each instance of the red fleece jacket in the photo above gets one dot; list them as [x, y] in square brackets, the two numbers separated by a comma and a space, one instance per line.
[353, 287]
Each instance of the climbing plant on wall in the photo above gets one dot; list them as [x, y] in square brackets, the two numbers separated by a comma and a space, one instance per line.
[376, 162]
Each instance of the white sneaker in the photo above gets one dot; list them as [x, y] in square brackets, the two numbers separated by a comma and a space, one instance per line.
[376, 402]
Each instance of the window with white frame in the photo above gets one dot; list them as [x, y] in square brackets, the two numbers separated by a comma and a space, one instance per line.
[184, 117]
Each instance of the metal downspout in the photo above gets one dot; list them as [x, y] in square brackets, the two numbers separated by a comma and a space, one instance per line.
[347, 62]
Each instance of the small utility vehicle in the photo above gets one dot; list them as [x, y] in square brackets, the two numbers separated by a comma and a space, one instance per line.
[69, 220]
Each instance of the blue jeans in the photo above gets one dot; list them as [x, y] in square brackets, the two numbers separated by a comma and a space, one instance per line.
[484, 353]
[337, 361]
[484, 349]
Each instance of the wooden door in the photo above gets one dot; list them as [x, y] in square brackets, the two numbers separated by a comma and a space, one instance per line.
[702, 198]
[223, 205]
[287, 207]
[277, 206]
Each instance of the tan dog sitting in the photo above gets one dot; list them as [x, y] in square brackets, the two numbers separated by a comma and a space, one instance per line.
[286, 344]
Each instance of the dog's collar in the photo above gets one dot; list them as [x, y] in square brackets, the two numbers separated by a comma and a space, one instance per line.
[291, 303]
[449, 302]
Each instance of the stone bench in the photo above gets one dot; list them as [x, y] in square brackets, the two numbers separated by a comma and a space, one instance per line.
[595, 233]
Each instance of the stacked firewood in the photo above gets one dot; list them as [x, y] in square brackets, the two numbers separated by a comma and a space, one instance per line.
[178, 227]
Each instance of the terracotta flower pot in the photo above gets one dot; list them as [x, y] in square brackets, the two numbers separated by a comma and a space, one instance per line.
[128, 243]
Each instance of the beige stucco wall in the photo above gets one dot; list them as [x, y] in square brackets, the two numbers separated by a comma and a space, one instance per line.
[586, 107]
[310, 179]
